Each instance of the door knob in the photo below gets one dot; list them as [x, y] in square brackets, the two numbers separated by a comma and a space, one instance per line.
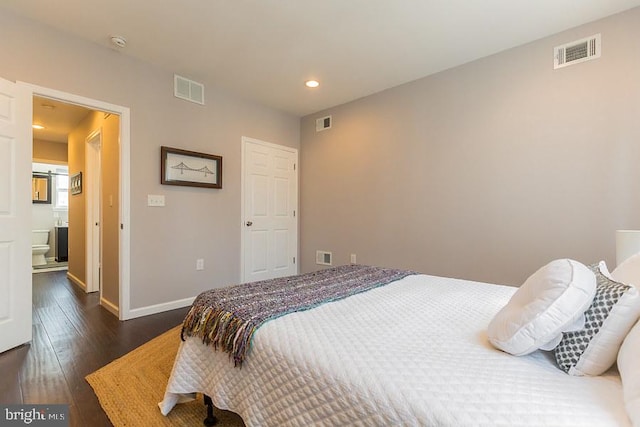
[249, 223]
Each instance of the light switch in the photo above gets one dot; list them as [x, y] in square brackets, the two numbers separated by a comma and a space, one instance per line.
[155, 200]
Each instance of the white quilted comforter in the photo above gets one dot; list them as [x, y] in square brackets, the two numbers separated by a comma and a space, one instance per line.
[412, 353]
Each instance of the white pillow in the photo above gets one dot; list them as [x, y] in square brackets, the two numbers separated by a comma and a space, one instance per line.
[628, 271]
[629, 368]
[548, 303]
[593, 349]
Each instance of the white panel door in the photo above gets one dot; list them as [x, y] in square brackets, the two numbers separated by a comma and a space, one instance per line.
[270, 224]
[15, 215]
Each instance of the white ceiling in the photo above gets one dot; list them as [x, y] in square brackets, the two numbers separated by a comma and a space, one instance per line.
[265, 49]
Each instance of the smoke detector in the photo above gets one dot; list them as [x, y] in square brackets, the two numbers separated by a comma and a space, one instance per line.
[118, 41]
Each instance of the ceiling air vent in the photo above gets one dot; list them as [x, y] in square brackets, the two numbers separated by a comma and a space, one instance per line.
[576, 52]
[188, 90]
[323, 123]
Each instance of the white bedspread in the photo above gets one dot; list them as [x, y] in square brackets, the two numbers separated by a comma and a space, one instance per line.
[414, 352]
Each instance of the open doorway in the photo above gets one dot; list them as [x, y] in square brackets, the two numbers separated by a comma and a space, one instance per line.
[52, 123]
[92, 139]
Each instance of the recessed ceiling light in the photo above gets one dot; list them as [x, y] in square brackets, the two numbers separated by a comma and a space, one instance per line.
[39, 127]
[311, 83]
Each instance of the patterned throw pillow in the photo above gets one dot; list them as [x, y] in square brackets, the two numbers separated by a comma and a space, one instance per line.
[593, 349]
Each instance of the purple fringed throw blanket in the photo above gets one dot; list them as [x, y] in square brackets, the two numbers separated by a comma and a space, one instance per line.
[228, 317]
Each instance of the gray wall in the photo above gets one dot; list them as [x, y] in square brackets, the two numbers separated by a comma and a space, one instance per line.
[196, 223]
[485, 171]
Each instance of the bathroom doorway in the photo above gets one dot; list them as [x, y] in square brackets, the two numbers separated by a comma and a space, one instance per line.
[49, 208]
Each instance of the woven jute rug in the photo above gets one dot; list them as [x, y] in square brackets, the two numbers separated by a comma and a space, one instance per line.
[130, 388]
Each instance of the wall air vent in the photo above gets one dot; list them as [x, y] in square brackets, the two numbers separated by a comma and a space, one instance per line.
[323, 123]
[575, 52]
[324, 258]
[188, 90]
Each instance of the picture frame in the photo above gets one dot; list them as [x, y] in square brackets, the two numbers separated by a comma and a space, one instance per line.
[75, 183]
[190, 168]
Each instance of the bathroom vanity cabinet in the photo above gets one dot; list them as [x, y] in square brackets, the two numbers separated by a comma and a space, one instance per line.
[62, 244]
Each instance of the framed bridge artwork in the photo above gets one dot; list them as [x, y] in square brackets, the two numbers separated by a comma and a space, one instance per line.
[190, 168]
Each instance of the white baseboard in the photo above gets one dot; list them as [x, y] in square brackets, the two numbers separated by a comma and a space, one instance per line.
[159, 308]
[136, 312]
[77, 281]
[111, 308]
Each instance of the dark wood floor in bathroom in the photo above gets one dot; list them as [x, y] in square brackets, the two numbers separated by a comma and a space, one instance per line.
[72, 337]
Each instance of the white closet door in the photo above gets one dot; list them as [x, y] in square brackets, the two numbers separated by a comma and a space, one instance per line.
[270, 226]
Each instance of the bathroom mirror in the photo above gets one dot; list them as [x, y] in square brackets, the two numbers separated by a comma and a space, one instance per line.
[41, 188]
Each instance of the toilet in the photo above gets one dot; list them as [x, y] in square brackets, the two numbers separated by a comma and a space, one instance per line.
[39, 246]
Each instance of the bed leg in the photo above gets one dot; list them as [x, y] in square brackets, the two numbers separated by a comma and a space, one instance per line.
[211, 420]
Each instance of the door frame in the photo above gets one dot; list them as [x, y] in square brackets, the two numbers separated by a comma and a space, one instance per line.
[124, 244]
[93, 172]
[245, 140]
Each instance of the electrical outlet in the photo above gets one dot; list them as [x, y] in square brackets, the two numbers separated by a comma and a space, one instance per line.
[353, 259]
[199, 264]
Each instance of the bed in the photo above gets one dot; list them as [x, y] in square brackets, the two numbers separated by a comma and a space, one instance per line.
[412, 352]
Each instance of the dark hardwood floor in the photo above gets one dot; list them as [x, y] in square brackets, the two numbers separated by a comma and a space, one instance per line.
[72, 337]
